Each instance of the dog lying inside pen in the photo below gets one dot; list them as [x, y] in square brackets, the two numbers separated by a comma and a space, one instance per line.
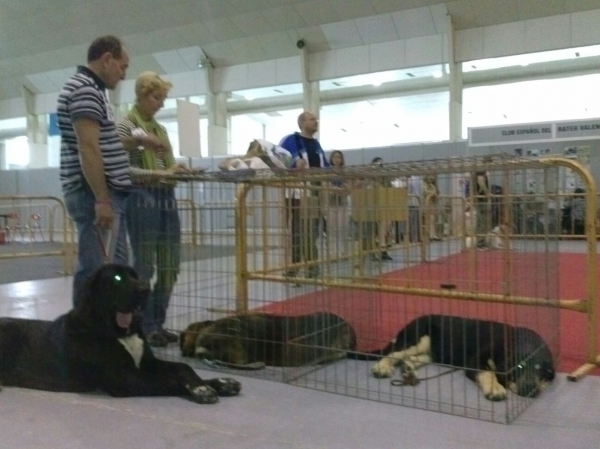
[253, 340]
[494, 355]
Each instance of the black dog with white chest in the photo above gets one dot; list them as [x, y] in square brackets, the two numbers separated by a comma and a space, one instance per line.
[99, 345]
[497, 356]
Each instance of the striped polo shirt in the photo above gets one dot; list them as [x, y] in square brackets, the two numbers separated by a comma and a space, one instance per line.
[84, 96]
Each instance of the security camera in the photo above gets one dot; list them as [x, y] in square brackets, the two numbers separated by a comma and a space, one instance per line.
[300, 43]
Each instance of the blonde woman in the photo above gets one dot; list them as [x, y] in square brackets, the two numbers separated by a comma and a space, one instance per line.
[152, 217]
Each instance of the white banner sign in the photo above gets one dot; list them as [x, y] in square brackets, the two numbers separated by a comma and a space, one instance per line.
[535, 132]
[188, 122]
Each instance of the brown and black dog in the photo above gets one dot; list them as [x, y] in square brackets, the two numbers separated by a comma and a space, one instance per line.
[272, 340]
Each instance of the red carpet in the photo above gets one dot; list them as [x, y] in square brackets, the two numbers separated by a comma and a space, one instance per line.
[377, 317]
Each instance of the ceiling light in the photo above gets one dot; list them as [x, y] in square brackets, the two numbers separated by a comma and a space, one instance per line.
[249, 97]
[437, 74]
[204, 62]
[376, 83]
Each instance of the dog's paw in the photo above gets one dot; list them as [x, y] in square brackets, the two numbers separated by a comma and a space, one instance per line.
[225, 386]
[491, 388]
[383, 368]
[204, 394]
[497, 393]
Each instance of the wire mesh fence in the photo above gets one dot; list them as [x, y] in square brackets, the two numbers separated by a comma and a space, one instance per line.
[306, 276]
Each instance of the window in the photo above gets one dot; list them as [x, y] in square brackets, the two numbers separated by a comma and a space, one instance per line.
[245, 128]
[281, 123]
[379, 78]
[592, 51]
[173, 132]
[265, 92]
[390, 121]
[17, 152]
[532, 101]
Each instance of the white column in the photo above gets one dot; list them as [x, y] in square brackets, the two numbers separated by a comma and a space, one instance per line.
[311, 96]
[219, 126]
[307, 92]
[37, 132]
[455, 86]
[2, 156]
[118, 106]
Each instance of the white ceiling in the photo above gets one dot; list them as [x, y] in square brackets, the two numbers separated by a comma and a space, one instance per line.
[43, 40]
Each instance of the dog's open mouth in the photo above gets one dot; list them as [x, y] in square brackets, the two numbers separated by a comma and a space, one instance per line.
[124, 320]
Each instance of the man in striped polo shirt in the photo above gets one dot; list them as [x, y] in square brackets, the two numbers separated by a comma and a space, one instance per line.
[94, 168]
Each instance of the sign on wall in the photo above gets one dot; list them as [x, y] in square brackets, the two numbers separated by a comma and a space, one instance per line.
[188, 122]
[535, 132]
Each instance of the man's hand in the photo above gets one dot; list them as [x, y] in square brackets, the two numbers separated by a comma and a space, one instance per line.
[302, 163]
[104, 214]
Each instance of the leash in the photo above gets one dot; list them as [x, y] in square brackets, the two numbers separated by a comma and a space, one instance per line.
[219, 364]
[110, 246]
[409, 377]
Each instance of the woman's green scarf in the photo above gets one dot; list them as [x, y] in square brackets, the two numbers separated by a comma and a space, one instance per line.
[168, 275]
[152, 127]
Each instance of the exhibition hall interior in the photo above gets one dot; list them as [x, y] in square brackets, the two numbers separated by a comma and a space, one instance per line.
[380, 217]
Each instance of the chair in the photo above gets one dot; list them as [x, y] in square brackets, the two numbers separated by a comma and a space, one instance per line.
[13, 225]
[35, 224]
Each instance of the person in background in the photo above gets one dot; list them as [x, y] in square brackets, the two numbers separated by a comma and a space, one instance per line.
[374, 233]
[431, 193]
[415, 192]
[152, 216]
[578, 211]
[481, 193]
[94, 171]
[306, 153]
[337, 209]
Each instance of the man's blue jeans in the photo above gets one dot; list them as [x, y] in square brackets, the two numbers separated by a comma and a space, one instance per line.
[93, 243]
[155, 235]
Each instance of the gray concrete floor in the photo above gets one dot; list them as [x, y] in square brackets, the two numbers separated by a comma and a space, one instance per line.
[268, 414]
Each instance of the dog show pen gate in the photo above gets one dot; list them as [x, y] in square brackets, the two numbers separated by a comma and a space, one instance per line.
[249, 263]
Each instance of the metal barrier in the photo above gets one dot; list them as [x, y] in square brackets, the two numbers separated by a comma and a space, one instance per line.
[282, 263]
[30, 225]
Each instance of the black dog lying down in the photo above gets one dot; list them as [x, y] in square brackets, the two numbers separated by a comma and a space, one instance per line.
[99, 346]
[495, 355]
[262, 339]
